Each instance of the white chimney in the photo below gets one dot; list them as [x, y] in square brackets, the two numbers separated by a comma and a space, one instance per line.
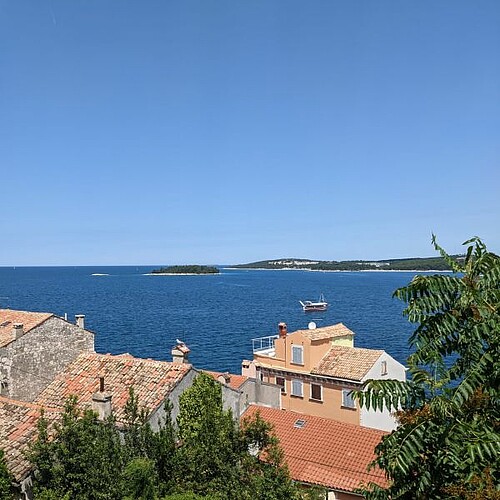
[18, 330]
[80, 320]
[101, 402]
[180, 353]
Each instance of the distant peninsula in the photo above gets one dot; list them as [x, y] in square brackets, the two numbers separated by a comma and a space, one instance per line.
[189, 269]
[410, 264]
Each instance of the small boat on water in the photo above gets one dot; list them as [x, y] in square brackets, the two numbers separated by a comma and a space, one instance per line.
[309, 305]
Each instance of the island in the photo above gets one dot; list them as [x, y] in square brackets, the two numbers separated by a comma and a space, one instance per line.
[409, 264]
[189, 269]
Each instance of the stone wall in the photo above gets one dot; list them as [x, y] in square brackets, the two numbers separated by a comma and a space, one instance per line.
[30, 363]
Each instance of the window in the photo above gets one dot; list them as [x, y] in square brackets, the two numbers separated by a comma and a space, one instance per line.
[317, 392]
[297, 355]
[347, 399]
[383, 369]
[297, 388]
[281, 382]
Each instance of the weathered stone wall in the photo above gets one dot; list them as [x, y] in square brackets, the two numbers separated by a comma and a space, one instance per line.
[30, 363]
[158, 417]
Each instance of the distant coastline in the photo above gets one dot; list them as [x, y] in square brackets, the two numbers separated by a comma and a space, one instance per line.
[414, 264]
[340, 270]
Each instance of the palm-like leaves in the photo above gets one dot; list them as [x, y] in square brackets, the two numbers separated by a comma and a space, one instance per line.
[449, 431]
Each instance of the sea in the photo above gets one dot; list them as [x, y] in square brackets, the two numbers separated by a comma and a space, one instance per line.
[217, 316]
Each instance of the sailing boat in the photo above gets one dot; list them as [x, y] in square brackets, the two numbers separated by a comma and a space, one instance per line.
[309, 305]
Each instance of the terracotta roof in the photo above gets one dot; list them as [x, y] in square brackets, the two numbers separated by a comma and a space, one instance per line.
[17, 430]
[351, 363]
[326, 332]
[235, 381]
[324, 452]
[8, 317]
[152, 381]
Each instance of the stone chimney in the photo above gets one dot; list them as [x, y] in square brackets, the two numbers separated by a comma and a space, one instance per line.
[101, 402]
[282, 330]
[18, 330]
[180, 353]
[224, 378]
[80, 320]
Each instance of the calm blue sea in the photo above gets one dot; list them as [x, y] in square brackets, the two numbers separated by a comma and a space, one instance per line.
[217, 316]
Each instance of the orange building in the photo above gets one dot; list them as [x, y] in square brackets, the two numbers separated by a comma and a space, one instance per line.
[318, 368]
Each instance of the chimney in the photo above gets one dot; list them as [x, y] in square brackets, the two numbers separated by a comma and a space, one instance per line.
[18, 330]
[180, 353]
[101, 402]
[80, 320]
[224, 378]
[282, 330]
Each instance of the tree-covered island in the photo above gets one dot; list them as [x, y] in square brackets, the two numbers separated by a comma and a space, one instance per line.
[189, 269]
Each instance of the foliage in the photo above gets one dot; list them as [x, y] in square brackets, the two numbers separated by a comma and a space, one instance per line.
[448, 441]
[83, 460]
[140, 480]
[209, 451]
[5, 479]
[189, 269]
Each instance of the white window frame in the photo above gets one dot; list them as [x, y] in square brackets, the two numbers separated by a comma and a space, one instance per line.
[293, 386]
[283, 387]
[297, 348]
[320, 392]
[347, 400]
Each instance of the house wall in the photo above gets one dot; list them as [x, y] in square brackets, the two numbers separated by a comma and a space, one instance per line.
[329, 407]
[384, 419]
[30, 363]
[158, 417]
[254, 391]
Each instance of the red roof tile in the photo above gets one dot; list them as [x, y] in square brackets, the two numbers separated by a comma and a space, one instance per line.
[326, 332]
[18, 429]
[351, 363]
[8, 317]
[152, 381]
[235, 381]
[324, 452]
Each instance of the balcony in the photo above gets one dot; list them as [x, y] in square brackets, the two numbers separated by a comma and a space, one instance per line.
[264, 345]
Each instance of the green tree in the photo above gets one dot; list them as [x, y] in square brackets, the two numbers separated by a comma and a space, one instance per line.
[5, 479]
[209, 451]
[142, 442]
[448, 440]
[83, 460]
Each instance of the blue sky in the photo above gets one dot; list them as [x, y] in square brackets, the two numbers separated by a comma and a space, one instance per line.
[151, 132]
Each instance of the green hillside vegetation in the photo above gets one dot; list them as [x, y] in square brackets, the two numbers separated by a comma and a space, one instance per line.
[410, 264]
[189, 269]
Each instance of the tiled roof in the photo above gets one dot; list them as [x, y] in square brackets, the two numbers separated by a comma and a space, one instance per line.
[17, 430]
[29, 319]
[152, 381]
[326, 332]
[351, 363]
[324, 452]
[235, 381]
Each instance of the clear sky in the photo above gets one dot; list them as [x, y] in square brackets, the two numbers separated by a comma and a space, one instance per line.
[228, 131]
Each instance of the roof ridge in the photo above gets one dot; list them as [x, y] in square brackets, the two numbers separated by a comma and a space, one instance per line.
[28, 404]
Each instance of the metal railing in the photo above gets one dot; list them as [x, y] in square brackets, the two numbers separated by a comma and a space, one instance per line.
[263, 343]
